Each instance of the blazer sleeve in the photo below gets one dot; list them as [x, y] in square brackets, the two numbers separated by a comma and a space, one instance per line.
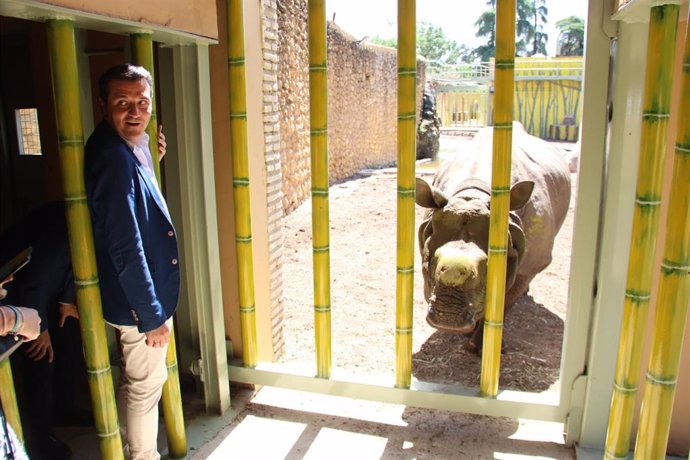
[114, 191]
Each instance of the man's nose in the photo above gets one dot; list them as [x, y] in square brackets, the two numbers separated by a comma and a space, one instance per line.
[133, 109]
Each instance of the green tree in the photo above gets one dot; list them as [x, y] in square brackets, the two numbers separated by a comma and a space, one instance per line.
[433, 44]
[571, 36]
[486, 27]
[389, 42]
[540, 14]
[529, 29]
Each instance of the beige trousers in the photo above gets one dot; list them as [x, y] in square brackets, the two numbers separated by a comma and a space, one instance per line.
[139, 390]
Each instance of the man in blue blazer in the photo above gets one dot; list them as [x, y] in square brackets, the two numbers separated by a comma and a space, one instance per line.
[136, 249]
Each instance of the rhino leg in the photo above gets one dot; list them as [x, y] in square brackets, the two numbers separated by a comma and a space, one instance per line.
[519, 288]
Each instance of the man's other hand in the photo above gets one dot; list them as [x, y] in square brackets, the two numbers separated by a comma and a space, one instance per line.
[158, 337]
[161, 143]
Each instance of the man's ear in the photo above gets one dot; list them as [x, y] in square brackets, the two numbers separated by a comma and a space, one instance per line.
[102, 105]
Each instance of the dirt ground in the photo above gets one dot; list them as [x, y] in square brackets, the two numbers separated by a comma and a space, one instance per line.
[363, 267]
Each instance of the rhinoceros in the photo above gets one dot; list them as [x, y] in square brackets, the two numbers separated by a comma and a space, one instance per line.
[454, 235]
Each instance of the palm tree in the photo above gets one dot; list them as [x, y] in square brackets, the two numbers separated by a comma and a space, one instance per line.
[540, 13]
[571, 36]
[524, 29]
[529, 26]
[486, 27]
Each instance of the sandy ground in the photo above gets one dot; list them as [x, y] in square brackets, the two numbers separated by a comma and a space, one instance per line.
[363, 267]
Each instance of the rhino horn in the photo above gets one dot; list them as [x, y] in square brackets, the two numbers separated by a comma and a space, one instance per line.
[428, 196]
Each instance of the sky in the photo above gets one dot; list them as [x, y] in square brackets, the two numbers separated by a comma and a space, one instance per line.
[362, 18]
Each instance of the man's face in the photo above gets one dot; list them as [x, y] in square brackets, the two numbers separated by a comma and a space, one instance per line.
[128, 108]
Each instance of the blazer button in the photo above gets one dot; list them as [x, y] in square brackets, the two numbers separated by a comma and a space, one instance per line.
[174, 261]
[171, 233]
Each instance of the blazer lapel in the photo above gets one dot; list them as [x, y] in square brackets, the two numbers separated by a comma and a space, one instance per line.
[155, 191]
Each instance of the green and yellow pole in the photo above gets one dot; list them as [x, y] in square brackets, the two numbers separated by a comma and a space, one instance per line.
[65, 77]
[500, 197]
[318, 109]
[142, 54]
[674, 293]
[663, 22]
[240, 181]
[407, 138]
[8, 397]
[171, 399]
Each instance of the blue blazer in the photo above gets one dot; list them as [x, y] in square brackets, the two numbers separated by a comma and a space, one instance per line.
[136, 245]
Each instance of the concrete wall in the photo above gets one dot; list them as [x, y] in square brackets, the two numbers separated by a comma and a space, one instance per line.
[197, 17]
[362, 103]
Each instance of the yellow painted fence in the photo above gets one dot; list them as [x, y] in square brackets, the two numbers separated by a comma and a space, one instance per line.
[546, 99]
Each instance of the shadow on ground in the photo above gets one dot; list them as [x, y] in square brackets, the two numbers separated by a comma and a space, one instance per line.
[530, 361]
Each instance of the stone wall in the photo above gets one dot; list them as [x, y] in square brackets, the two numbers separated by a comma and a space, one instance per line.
[362, 103]
[271, 118]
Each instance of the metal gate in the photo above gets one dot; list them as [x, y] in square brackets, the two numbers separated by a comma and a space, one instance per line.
[402, 388]
[575, 396]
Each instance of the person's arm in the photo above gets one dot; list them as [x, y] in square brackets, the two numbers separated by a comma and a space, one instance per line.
[113, 190]
[19, 321]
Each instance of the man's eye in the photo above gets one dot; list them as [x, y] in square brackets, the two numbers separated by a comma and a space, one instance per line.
[122, 103]
[144, 103]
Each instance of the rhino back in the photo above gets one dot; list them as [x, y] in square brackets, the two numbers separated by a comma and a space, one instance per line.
[542, 218]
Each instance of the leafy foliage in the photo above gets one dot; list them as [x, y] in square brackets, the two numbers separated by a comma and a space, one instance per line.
[434, 45]
[389, 42]
[529, 28]
[571, 36]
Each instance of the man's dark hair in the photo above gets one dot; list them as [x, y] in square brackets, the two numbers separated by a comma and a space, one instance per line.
[123, 72]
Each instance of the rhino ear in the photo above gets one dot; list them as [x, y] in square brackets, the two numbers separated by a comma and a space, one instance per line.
[520, 194]
[428, 196]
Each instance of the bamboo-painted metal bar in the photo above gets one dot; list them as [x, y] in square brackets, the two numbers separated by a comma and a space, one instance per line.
[8, 398]
[142, 54]
[65, 78]
[656, 111]
[171, 399]
[318, 120]
[407, 137]
[240, 181]
[674, 292]
[500, 196]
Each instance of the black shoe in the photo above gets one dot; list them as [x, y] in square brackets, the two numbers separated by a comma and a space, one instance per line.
[49, 448]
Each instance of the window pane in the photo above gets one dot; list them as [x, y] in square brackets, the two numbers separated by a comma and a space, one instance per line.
[27, 131]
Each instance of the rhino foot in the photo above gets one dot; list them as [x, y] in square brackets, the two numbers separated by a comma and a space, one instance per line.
[476, 341]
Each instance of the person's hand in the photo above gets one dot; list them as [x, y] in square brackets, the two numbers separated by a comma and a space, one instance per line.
[3, 291]
[31, 323]
[158, 337]
[68, 310]
[41, 347]
[161, 143]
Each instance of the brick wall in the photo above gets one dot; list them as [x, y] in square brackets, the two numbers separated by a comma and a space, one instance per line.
[271, 117]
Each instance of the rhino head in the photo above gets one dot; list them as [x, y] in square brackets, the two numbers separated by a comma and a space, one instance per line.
[454, 240]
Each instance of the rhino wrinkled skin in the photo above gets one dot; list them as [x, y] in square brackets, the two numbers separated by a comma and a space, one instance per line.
[453, 238]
